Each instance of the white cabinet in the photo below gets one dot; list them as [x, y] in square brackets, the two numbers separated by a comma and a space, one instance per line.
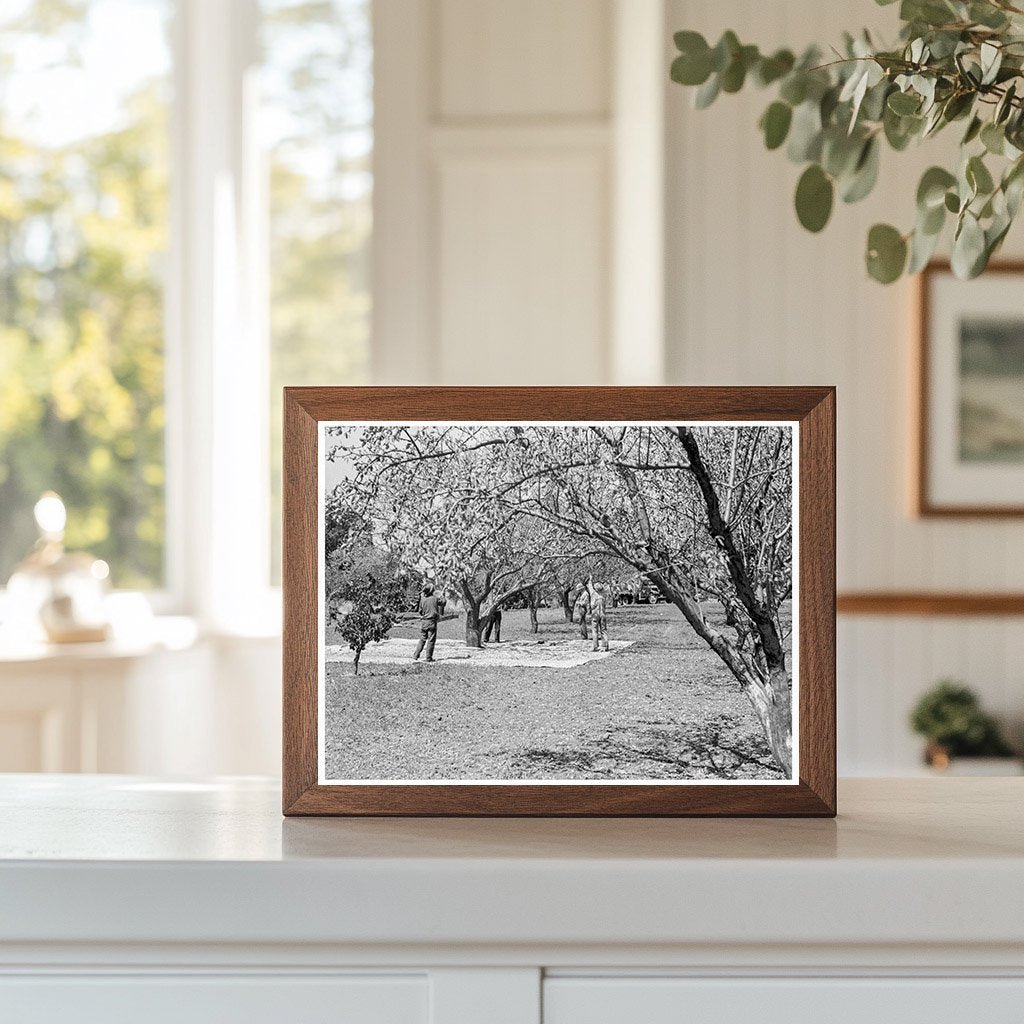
[127, 898]
[823, 1000]
[224, 999]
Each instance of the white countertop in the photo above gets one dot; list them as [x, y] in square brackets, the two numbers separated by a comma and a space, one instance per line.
[106, 858]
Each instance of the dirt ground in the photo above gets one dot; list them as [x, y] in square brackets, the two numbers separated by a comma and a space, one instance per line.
[663, 707]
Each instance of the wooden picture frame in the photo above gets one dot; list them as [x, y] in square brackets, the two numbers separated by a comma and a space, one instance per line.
[934, 403]
[811, 410]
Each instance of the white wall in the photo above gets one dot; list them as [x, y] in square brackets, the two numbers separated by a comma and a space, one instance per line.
[499, 199]
[754, 299]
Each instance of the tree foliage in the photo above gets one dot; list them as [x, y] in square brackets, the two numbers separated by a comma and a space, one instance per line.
[366, 587]
[957, 61]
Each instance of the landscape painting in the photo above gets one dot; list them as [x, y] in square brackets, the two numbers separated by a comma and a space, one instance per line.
[991, 390]
[573, 602]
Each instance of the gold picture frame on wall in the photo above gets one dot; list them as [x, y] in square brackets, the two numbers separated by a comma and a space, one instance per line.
[970, 387]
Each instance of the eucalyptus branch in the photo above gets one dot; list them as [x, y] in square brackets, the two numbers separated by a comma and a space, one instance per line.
[956, 61]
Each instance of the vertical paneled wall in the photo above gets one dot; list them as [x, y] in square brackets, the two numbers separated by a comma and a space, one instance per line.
[752, 298]
[513, 144]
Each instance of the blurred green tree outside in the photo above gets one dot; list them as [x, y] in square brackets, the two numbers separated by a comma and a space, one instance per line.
[83, 230]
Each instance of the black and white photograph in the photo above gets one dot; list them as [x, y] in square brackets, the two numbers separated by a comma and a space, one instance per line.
[558, 602]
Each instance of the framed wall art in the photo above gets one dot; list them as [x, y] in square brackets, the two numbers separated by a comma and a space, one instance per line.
[970, 369]
[559, 601]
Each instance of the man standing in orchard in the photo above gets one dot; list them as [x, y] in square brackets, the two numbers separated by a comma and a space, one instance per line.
[430, 611]
[598, 613]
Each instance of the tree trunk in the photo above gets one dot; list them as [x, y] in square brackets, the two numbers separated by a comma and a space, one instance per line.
[567, 604]
[356, 662]
[473, 625]
[534, 625]
[772, 703]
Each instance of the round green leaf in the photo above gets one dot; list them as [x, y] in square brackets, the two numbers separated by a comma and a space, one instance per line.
[993, 139]
[903, 103]
[814, 198]
[693, 65]
[932, 189]
[887, 253]
[775, 123]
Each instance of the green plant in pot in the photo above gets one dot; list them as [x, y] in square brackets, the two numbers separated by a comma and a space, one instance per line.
[957, 63]
[950, 717]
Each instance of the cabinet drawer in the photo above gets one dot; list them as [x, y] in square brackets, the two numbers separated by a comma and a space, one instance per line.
[783, 1001]
[221, 999]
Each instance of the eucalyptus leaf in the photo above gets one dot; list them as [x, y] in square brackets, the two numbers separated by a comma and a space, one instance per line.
[886, 253]
[814, 194]
[993, 138]
[931, 191]
[865, 174]
[922, 248]
[987, 15]
[688, 70]
[973, 130]
[904, 103]
[931, 221]
[957, 106]
[794, 89]
[991, 60]
[1005, 106]
[724, 51]
[805, 133]
[978, 176]
[707, 93]
[771, 69]
[968, 248]
[775, 123]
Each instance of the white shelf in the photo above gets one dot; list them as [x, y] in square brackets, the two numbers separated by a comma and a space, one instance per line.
[936, 862]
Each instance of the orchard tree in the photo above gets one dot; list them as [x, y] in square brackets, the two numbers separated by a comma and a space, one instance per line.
[365, 588]
[695, 510]
[426, 492]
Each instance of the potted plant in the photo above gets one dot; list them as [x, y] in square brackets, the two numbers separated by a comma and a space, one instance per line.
[950, 717]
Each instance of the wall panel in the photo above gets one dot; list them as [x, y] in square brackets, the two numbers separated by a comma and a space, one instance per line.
[522, 296]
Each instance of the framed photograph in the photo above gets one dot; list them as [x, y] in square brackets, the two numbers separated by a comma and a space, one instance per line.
[559, 601]
[970, 451]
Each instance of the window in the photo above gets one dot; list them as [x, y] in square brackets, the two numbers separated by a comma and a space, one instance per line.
[317, 118]
[83, 236]
[168, 263]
